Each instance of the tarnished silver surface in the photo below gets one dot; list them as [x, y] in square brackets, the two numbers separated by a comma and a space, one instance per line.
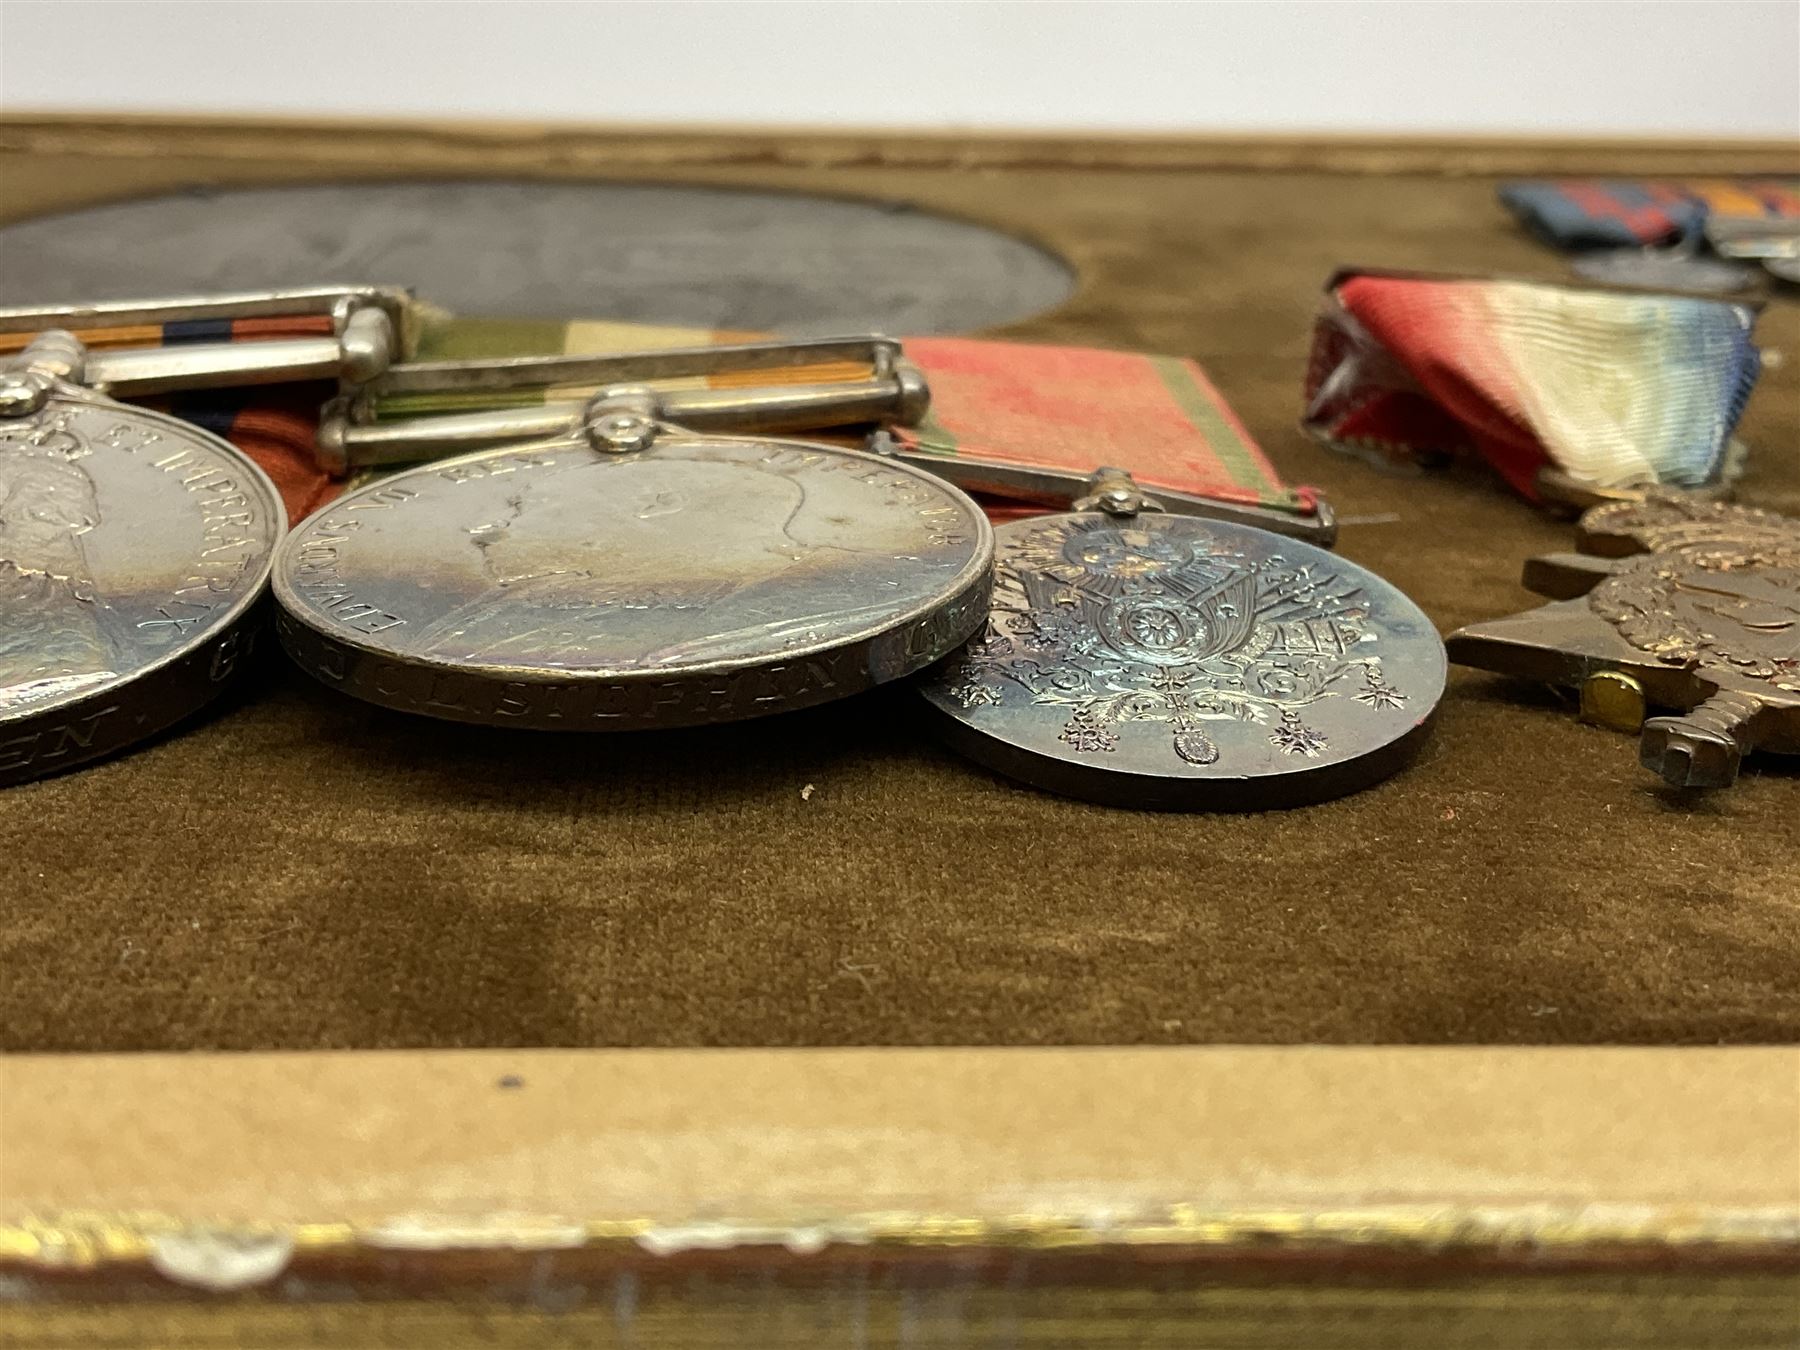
[1784, 269]
[704, 579]
[133, 549]
[1665, 270]
[1754, 237]
[1165, 661]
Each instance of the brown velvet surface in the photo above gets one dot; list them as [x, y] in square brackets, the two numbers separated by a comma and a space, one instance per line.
[299, 870]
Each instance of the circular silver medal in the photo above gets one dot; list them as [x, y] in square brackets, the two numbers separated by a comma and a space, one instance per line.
[1665, 270]
[1168, 662]
[1783, 269]
[702, 579]
[133, 550]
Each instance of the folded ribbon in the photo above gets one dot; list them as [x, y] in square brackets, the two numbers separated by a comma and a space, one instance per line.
[1609, 387]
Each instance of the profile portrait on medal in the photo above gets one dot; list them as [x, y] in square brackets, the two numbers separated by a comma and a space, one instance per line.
[53, 622]
[678, 558]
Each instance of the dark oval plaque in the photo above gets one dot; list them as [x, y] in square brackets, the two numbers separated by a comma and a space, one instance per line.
[696, 256]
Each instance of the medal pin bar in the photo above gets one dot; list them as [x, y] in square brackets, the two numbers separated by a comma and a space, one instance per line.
[1105, 489]
[407, 414]
[138, 347]
[630, 541]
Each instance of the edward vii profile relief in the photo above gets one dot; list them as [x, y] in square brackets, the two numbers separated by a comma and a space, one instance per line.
[619, 577]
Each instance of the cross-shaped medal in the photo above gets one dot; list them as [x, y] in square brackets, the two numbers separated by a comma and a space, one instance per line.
[1674, 601]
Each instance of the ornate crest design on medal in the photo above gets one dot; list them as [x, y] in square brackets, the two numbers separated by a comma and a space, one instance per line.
[1676, 601]
[133, 549]
[1784, 269]
[1166, 661]
[650, 578]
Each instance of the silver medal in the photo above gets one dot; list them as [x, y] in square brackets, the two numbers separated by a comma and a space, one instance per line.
[1163, 661]
[696, 579]
[1784, 269]
[1665, 270]
[135, 547]
[133, 550]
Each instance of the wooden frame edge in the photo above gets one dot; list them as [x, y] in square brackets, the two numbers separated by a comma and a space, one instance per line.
[451, 146]
[451, 1164]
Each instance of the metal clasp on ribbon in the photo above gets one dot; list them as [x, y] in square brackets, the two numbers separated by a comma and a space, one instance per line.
[425, 410]
[131, 348]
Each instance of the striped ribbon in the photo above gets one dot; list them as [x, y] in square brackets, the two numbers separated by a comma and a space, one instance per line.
[1611, 388]
[1612, 213]
[1066, 408]
[178, 332]
[275, 427]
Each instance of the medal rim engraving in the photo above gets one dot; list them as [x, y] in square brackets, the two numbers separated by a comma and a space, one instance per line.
[1304, 781]
[150, 698]
[380, 674]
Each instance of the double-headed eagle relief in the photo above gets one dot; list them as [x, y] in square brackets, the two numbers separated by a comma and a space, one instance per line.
[1124, 621]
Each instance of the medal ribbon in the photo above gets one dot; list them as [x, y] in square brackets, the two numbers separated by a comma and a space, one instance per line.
[1588, 213]
[1068, 408]
[1610, 387]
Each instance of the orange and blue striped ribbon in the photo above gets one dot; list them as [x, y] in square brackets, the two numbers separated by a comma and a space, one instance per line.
[1582, 213]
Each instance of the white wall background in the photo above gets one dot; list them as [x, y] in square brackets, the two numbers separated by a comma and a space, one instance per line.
[1727, 68]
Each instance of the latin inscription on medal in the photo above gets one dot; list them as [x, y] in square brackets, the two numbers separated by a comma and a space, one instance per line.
[73, 738]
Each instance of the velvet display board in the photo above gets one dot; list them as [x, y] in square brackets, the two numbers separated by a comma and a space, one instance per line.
[300, 871]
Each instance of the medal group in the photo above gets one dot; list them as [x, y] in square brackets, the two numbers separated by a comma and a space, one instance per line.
[708, 534]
